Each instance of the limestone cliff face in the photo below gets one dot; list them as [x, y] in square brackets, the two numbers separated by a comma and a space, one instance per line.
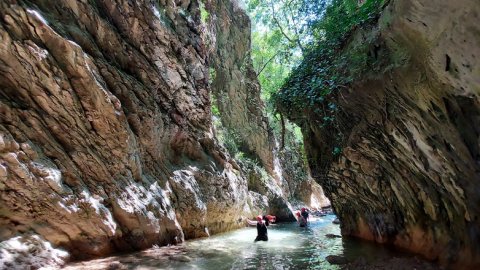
[105, 130]
[236, 86]
[409, 171]
[237, 91]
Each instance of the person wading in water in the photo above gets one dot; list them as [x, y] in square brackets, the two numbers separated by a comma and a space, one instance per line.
[305, 214]
[262, 234]
[302, 221]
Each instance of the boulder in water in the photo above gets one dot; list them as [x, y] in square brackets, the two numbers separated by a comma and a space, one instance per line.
[329, 235]
[336, 259]
[336, 221]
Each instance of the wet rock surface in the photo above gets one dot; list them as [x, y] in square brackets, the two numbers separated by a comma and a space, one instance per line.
[391, 263]
[148, 258]
[409, 168]
[336, 259]
[332, 236]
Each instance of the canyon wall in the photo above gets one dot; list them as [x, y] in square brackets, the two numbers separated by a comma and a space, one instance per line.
[106, 139]
[235, 85]
[408, 172]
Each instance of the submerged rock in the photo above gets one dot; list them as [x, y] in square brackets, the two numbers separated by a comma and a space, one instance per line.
[181, 258]
[391, 264]
[336, 259]
[332, 236]
[116, 266]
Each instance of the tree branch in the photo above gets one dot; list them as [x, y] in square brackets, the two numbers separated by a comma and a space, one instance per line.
[266, 63]
[278, 23]
[294, 23]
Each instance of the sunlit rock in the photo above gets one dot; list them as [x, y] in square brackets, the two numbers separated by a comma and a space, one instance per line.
[29, 251]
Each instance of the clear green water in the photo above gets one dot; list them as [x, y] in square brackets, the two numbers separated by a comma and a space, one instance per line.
[289, 247]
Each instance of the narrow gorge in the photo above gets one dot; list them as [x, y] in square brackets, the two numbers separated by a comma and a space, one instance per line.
[127, 125]
[107, 136]
[408, 127]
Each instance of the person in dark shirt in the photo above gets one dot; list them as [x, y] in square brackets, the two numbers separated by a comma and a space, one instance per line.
[266, 220]
[305, 214]
[302, 222]
[262, 234]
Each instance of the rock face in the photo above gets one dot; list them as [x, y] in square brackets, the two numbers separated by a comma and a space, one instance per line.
[409, 171]
[304, 191]
[235, 84]
[105, 129]
[237, 92]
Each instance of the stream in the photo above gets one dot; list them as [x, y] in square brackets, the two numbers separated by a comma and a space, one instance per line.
[289, 247]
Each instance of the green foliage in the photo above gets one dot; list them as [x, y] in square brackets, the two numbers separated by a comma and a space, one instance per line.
[299, 54]
[204, 14]
[292, 20]
[275, 47]
[211, 75]
[327, 66]
[330, 64]
[227, 137]
[215, 110]
[230, 139]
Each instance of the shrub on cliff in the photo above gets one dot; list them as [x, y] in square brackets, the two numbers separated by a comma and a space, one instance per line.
[326, 66]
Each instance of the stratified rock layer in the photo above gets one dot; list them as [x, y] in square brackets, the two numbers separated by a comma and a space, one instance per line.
[409, 171]
[235, 84]
[237, 91]
[105, 128]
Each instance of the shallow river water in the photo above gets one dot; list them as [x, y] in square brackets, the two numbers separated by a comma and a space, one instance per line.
[289, 247]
